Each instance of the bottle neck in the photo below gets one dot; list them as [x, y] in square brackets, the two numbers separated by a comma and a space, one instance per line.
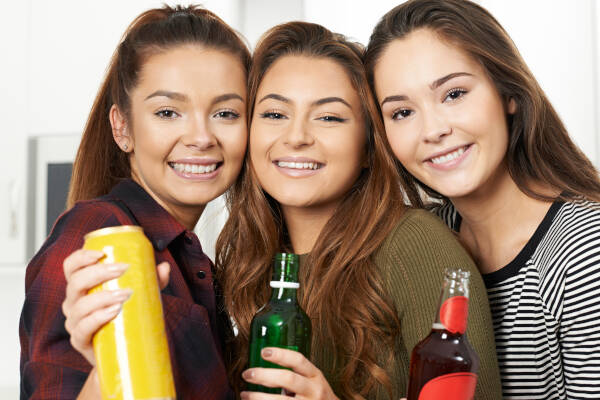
[285, 295]
[285, 278]
[453, 308]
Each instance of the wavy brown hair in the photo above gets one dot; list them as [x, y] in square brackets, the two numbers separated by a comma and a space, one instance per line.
[341, 288]
[100, 163]
[540, 149]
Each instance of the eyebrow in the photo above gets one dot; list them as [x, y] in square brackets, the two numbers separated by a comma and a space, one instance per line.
[434, 85]
[394, 98]
[183, 97]
[327, 100]
[166, 93]
[319, 102]
[438, 82]
[275, 96]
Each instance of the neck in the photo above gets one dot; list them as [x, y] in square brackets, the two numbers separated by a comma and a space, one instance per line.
[305, 224]
[498, 220]
[187, 216]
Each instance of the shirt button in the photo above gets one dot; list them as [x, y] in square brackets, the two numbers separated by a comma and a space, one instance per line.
[188, 239]
[201, 274]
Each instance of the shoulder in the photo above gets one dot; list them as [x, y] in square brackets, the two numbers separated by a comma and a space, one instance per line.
[419, 227]
[418, 250]
[572, 242]
[67, 235]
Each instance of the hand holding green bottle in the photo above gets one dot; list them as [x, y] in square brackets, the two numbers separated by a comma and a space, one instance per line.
[280, 342]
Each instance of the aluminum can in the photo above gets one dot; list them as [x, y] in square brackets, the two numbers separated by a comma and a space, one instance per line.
[132, 353]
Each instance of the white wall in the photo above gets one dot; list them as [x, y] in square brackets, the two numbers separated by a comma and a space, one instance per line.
[54, 55]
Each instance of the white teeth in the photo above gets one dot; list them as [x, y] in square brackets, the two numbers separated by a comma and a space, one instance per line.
[297, 165]
[448, 157]
[193, 168]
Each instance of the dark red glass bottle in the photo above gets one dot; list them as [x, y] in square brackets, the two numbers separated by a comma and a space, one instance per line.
[444, 365]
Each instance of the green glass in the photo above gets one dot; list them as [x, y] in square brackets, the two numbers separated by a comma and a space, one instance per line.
[281, 322]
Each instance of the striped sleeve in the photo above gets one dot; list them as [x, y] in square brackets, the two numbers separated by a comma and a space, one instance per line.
[579, 331]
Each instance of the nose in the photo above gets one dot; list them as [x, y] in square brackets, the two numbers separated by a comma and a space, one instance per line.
[435, 127]
[199, 134]
[298, 134]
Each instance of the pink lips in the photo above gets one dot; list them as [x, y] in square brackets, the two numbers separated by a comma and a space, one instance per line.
[449, 165]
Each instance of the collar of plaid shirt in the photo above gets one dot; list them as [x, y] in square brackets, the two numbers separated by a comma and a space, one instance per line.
[159, 226]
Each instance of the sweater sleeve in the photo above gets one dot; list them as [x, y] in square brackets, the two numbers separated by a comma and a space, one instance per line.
[413, 259]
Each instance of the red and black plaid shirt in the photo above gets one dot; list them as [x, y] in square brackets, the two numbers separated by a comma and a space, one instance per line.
[194, 317]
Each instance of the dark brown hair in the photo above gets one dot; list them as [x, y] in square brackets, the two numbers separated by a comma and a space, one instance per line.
[540, 149]
[340, 287]
[100, 163]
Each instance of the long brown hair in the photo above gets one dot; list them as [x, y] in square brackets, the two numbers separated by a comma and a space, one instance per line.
[100, 163]
[341, 289]
[540, 149]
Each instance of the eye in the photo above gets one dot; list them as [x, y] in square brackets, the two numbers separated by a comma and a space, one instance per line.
[331, 118]
[272, 115]
[402, 113]
[454, 94]
[166, 114]
[226, 114]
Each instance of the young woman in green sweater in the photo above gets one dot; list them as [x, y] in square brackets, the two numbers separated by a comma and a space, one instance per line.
[320, 181]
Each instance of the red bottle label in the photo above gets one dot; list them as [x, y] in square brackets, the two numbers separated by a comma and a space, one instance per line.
[456, 386]
[453, 314]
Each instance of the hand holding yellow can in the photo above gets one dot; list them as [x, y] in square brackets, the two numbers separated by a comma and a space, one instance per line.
[132, 354]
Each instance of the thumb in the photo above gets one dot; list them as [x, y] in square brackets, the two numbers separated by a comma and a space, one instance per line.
[163, 271]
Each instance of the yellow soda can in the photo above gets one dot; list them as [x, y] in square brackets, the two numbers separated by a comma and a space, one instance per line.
[132, 353]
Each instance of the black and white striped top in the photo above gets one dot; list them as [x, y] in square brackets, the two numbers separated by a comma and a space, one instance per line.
[546, 306]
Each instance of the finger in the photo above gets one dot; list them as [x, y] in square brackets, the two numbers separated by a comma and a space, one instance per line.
[83, 280]
[262, 396]
[81, 336]
[79, 259]
[163, 270]
[88, 278]
[91, 303]
[291, 359]
[278, 378]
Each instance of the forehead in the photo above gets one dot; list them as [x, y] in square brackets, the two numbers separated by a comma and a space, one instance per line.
[422, 56]
[305, 76]
[189, 67]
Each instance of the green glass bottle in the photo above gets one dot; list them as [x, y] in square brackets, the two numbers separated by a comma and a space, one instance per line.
[281, 322]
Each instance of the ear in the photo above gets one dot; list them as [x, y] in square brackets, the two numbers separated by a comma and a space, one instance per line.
[511, 105]
[120, 131]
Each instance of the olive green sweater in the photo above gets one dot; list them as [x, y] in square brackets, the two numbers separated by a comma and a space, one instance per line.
[411, 262]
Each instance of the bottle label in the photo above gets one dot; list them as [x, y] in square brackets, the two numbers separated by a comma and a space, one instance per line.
[456, 386]
[453, 314]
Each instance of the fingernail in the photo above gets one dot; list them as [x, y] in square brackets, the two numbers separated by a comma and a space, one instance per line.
[94, 254]
[113, 309]
[244, 395]
[267, 353]
[117, 267]
[248, 374]
[122, 294]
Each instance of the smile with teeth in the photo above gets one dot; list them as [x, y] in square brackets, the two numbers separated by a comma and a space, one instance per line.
[193, 168]
[298, 165]
[449, 157]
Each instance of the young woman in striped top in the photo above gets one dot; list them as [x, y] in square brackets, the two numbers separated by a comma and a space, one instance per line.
[466, 118]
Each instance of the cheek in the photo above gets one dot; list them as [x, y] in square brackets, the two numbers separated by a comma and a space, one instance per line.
[402, 146]
[235, 143]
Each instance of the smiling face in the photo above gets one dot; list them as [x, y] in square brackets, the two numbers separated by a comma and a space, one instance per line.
[187, 127]
[307, 137]
[444, 118]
